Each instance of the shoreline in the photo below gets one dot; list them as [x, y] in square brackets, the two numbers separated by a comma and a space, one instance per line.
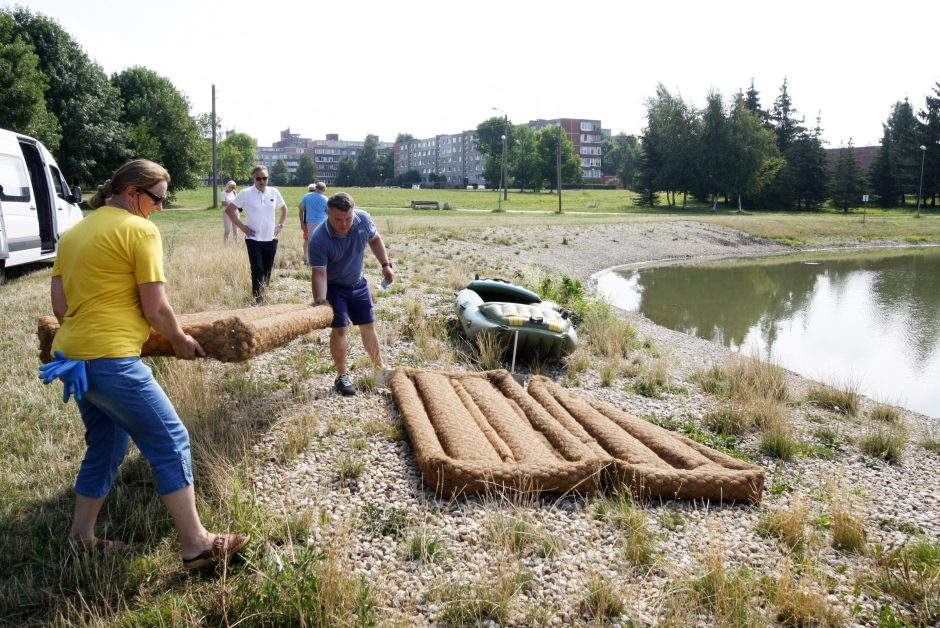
[895, 502]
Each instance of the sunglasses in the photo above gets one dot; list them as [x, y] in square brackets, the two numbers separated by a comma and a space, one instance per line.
[157, 200]
[261, 178]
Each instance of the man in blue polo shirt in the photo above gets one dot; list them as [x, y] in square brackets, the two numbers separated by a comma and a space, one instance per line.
[336, 252]
[312, 211]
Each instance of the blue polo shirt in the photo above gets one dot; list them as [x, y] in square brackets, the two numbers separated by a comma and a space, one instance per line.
[341, 256]
[314, 208]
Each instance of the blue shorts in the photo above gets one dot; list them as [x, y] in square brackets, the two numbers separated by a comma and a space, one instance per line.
[124, 401]
[350, 304]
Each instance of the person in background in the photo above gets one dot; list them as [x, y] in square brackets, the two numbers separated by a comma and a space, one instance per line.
[107, 292]
[228, 195]
[312, 211]
[336, 253]
[261, 231]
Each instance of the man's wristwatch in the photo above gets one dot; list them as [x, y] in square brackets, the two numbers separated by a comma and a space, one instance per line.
[387, 265]
[280, 226]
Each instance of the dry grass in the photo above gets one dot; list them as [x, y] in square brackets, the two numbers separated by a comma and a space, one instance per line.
[801, 601]
[489, 599]
[578, 361]
[514, 533]
[885, 413]
[621, 511]
[490, 351]
[602, 599]
[848, 524]
[725, 594]
[608, 335]
[787, 525]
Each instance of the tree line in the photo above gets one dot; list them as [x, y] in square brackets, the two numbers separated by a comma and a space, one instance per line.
[530, 155]
[731, 151]
[92, 123]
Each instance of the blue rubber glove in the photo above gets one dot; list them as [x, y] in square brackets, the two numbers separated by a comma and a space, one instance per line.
[71, 372]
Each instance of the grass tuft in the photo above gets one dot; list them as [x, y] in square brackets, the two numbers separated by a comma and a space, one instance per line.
[885, 442]
[843, 399]
[602, 600]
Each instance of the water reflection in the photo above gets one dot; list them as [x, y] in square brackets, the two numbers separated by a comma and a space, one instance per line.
[873, 318]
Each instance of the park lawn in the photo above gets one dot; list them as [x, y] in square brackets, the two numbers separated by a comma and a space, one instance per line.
[618, 201]
[799, 229]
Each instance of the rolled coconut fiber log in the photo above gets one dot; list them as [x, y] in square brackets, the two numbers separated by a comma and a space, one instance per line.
[225, 335]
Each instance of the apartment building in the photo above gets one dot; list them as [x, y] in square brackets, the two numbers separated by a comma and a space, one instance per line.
[587, 137]
[452, 156]
[326, 153]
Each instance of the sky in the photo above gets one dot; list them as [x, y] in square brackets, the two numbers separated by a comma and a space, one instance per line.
[435, 67]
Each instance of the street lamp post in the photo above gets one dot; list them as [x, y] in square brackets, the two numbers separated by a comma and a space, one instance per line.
[920, 188]
[504, 182]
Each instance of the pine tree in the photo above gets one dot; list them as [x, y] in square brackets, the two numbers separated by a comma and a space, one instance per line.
[644, 180]
[808, 167]
[752, 102]
[930, 137]
[883, 183]
[848, 183]
[783, 119]
[904, 148]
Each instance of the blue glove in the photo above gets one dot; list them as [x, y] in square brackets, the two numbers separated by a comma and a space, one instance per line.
[71, 372]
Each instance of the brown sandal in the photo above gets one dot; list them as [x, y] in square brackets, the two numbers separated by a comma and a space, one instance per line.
[223, 547]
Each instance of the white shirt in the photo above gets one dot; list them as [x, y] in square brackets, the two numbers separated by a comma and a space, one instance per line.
[259, 210]
[228, 196]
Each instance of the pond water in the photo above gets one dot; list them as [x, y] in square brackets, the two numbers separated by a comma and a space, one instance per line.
[870, 318]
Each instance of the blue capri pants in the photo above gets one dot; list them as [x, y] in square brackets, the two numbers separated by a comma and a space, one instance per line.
[125, 402]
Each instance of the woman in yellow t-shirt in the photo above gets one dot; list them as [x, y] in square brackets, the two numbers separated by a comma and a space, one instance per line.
[107, 292]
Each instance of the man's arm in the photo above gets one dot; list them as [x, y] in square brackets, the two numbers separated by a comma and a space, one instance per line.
[303, 214]
[159, 313]
[378, 249]
[232, 212]
[318, 285]
[59, 303]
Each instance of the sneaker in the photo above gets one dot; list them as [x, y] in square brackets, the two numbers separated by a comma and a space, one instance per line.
[344, 386]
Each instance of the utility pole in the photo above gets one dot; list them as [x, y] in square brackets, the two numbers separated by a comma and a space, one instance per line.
[558, 166]
[215, 175]
[505, 139]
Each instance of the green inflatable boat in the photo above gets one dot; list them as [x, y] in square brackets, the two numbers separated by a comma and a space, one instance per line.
[518, 316]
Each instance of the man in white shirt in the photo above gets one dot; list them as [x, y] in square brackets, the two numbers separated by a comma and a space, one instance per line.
[261, 232]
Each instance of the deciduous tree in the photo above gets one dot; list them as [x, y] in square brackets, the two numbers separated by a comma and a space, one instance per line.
[23, 85]
[367, 162]
[345, 172]
[280, 175]
[524, 158]
[237, 154]
[754, 159]
[306, 172]
[157, 116]
[80, 96]
[489, 143]
[548, 145]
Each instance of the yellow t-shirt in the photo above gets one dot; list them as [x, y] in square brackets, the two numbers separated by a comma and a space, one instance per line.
[102, 260]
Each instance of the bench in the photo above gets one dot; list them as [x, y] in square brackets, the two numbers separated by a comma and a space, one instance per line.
[425, 205]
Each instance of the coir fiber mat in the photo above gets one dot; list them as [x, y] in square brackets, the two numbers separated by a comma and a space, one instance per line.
[478, 432]
[228, 335]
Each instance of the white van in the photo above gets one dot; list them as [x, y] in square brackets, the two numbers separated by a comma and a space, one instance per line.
[36, 204]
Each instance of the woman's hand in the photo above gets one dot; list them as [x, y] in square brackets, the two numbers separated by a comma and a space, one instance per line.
[188, 348]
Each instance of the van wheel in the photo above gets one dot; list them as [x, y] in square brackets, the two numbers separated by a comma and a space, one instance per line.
[3, 271]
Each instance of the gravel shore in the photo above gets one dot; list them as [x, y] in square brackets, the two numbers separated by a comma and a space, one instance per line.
[358, 484]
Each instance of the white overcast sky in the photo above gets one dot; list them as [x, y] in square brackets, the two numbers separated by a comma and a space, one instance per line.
[427, 67]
